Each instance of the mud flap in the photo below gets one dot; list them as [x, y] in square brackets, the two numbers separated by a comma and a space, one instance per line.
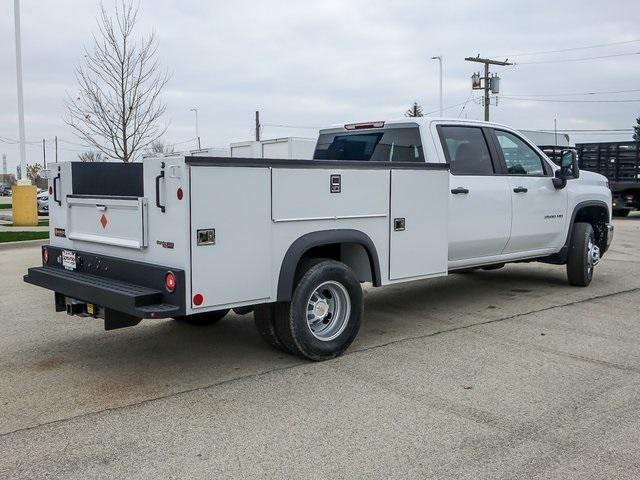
[114, 319]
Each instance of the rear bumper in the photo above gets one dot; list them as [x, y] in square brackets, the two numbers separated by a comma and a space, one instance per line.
[118, 286]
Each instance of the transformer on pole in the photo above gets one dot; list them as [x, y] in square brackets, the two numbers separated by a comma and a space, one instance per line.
[487, 82]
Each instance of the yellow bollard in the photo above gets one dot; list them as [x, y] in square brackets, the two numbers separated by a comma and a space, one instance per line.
[25, 209]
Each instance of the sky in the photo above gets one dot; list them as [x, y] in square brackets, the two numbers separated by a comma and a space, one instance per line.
[306, 65]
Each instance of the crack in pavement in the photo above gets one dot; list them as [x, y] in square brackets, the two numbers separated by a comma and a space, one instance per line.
[306, 363]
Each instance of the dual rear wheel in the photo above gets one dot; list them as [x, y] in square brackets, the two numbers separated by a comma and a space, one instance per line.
[323, 317]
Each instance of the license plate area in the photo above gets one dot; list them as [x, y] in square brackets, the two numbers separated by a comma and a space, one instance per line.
[69, 260]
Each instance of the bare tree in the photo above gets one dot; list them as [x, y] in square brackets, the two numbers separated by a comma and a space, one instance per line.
[636, 130]
[414, 111]
[158, 146]
[33, 171]
[118, 107]
[91, 156]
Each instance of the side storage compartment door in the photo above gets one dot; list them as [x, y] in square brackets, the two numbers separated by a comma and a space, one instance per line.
[418, 246]
[230, 234]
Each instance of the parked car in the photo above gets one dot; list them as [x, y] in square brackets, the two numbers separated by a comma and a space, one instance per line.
[42, 200]
[382, 202]
[5, 191]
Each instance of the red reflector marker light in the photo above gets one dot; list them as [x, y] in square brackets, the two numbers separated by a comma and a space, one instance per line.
[170, 282]
[198, 299]
[179, 194]
[45, 256]
[362, 126]
[50, 190]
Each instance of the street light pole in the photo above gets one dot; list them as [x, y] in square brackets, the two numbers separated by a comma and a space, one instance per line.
[197, 132]
[23, 153]
[439, 58]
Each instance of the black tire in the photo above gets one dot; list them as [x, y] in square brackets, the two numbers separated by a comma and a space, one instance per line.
[291, 325]
[466, 270]
[243, 310]
[203, 319]
[621, 212]
[496, 266]
[579, 267]
[264, 319]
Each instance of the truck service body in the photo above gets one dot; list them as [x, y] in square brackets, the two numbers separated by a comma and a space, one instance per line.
[190, 237]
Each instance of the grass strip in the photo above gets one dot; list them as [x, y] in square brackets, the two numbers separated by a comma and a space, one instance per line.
[22, 236]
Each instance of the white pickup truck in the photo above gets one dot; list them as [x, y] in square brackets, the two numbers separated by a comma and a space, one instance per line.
[292, 240]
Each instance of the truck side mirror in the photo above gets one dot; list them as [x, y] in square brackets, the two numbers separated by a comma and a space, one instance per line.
[569, 164]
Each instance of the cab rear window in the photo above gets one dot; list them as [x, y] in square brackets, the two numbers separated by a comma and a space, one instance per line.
[389, 145]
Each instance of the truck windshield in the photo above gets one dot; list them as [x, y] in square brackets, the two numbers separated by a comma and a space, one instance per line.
[390, 145]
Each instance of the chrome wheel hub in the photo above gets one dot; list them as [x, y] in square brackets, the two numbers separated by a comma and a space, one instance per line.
[593, 255]
[328, 310]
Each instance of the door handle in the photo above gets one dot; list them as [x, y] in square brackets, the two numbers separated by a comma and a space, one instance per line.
[520, 190]
[459, 190]
[55, 190]
[158, 178]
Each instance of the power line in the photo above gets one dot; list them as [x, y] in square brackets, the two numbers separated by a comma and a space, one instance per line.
[554, 100]
[544, 52]
[572, 94]
[578, 59]
[307, 127]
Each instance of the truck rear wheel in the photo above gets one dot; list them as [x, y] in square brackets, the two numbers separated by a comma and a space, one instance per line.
[324, 315]
[206, 318]
[264, 316]
[583, 256]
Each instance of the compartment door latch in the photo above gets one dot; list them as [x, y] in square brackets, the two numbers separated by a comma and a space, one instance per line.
[398, 224]
[335, 184]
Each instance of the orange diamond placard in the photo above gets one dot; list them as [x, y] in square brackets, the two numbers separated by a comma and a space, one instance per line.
[104, 221]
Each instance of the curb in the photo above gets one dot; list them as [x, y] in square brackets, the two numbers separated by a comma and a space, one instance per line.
[23, 244]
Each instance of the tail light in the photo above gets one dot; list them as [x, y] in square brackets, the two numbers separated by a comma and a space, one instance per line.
[179, 194]
[45, 256]
[170, 282]
[628, 197]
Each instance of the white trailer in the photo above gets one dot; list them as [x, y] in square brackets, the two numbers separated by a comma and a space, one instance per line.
[297, 148]
[248, 149]
[190, 237]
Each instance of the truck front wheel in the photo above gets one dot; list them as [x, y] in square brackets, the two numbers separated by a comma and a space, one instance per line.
[584, 255]
[324, 315]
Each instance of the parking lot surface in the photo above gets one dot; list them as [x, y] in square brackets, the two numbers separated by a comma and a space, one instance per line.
[499, 374]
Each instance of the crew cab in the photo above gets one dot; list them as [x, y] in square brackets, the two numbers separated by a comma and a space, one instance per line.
[292, 240]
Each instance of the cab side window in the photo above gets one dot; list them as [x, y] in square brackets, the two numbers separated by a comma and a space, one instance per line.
[519, 157]
[466, 150]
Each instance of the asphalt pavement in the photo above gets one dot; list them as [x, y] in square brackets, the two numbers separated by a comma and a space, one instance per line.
[500, 374]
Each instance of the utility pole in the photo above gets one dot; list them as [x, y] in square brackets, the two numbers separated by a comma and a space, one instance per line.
[23, 153]
[491, 84]
[257, 126]
[44, 154]
[4, 163]
[197, 131]
[56, 140]
[439, 58]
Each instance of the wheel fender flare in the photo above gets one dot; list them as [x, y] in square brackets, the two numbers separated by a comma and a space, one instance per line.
[576, 209]
[316, 239]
